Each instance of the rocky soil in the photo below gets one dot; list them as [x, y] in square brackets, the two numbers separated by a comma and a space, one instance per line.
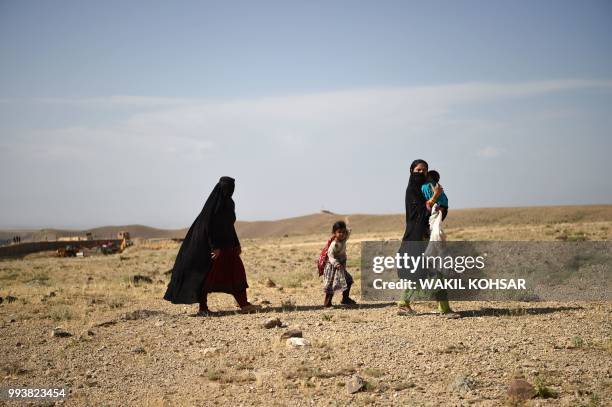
[86, 323]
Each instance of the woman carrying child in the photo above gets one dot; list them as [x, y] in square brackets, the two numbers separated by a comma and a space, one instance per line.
[335, 275]
[417, 230]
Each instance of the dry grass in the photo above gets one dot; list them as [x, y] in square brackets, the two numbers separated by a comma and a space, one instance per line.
[400, 358]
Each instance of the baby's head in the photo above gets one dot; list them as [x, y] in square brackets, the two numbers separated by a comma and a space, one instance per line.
[433, 176]
[339, 230]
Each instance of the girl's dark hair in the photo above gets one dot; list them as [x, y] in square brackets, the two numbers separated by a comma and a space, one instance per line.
[338, 226]
[433, 176]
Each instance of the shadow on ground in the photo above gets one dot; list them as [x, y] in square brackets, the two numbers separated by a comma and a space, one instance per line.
[483, 312]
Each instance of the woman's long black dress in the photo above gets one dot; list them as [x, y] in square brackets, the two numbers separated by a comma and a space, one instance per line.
[212, 229]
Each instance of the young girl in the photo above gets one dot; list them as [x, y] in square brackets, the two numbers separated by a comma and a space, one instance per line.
[335, 275]
[433, 178]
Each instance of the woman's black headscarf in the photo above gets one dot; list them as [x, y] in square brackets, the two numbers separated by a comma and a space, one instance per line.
[212, 229]
[417, 217]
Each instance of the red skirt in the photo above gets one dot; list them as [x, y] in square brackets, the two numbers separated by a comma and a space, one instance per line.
[227, 273]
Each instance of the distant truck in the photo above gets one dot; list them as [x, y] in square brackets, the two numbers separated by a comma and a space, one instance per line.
[124, 236]
[109, 248]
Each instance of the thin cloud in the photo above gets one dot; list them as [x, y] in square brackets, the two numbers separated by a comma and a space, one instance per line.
[488, 152]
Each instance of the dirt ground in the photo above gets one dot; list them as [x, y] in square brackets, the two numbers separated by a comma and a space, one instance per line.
[130, 347]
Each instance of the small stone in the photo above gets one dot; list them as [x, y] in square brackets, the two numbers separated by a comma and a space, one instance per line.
[210, 351]
[461, 384]
[138, 278]
[60, 333]
[269, 283]
[262, 377]
[139, 314]
[354, 384]
[105, 324]
[521, 389]
[291, 333]
[139, 349]
[159, 323]
[272, 323]
[10, 299]
[297, 343]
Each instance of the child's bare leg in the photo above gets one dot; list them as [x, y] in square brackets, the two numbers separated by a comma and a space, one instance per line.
[346, 299]
[328, 300]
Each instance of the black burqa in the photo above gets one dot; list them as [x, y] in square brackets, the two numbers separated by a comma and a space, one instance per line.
[417, 216]
[212, 229]
[417, 221]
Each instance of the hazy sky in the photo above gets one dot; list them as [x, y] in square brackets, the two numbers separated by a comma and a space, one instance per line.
[116, 112]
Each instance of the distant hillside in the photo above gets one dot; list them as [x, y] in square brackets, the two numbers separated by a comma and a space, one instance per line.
[362, 223]
[104, 232]
[457, 218]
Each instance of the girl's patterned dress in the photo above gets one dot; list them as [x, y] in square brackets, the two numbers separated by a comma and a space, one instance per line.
[336, 279]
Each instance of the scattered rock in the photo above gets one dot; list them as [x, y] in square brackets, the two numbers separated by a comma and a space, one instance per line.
[160, 323]
[462, 384]
[139, 349]
[1, 300]
[105, 324]
[521, 389]
[139, 278]
[10, 299]
[210, 351]
[291, 333]
[60, 333]
[354, 384]
[139, 314]
[52, 294]
[265, 303]
[262, 377]
[86, 335]
[297, 343]
[269, 283]
[272, 323]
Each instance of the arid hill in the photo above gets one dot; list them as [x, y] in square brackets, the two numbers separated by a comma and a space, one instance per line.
[363, 223]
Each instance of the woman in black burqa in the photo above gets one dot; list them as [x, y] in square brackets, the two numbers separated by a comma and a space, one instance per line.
[209, 258]
[417, 233]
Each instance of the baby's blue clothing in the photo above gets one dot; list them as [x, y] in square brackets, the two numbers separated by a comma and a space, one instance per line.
[427, 190]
